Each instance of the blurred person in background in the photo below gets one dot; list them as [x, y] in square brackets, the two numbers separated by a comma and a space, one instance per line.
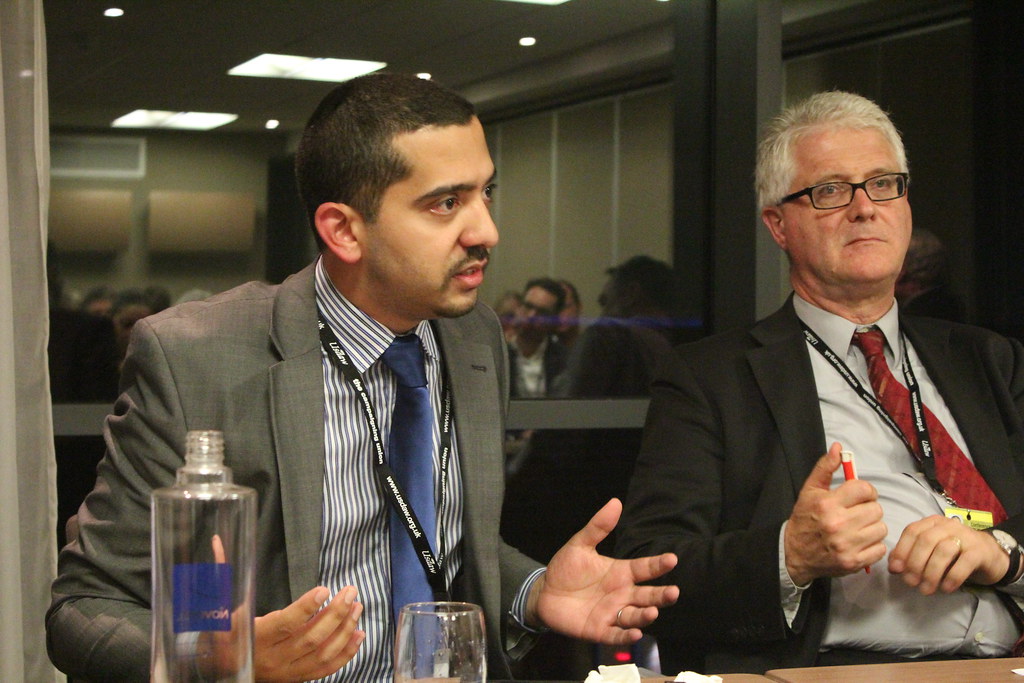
[569, 325]
[536, 357]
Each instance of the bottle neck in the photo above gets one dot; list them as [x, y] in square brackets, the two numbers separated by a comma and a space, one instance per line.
[203, 475]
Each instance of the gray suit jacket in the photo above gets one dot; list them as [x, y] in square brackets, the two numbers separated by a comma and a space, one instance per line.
[734, 430]
[248, 362]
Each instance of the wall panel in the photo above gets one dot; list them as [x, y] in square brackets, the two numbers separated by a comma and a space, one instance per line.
[523, 205]
[585, 207]
[90, 220]
[645, 176]
[197, 222]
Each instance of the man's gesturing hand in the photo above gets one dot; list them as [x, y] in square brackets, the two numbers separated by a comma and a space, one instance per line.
[586, 595]
[299, 643]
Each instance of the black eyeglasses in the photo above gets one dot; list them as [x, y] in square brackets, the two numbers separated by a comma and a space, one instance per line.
[538, 310]
[834, 194]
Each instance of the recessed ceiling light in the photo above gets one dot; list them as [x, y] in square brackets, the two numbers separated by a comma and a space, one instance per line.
[527, 41]
[305, 68]
[540, 2]
[187, 120]
[271, 124]
[113, 12]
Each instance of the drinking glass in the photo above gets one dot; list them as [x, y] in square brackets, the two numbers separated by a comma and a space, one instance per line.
[441, 641]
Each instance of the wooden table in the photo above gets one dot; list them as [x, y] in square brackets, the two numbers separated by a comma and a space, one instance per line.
[726, 678]
[958, 671]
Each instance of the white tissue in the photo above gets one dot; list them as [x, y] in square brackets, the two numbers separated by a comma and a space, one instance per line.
[628, 673]
[620, 673]
[694, 677]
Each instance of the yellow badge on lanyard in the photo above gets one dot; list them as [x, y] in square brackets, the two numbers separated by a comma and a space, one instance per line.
[978, 520]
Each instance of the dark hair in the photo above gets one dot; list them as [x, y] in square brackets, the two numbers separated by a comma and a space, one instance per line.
[131, 296]
[157, 297]
[926, 262]
[570, 289]
[98, 293]
[551, 286]
[346, 154]
[655, 279]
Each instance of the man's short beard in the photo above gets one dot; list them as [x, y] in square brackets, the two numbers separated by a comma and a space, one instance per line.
[456, 310]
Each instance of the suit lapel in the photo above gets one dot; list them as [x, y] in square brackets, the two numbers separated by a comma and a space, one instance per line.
[783, 372]
[479, 425]
[957, 370]
[297, 409]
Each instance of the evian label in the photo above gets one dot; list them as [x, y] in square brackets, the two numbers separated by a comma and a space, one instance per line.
[202, 597]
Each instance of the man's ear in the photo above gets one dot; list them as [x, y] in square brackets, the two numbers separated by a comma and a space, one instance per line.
[771, 216]
[341, 228]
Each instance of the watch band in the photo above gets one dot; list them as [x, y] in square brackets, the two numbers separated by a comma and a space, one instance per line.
[1012, 570]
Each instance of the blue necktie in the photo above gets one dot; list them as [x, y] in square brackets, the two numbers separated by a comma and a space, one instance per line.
[410, 454]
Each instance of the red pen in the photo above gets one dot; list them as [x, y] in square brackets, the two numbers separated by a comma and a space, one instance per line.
[849, 468]
[850, 473]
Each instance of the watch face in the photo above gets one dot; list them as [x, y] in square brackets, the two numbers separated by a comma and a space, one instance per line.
[1004, 539]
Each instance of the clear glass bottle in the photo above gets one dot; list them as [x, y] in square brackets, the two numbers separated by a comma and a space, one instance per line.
[203, 551]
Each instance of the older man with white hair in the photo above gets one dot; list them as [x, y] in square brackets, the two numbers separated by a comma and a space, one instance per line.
[787, 558]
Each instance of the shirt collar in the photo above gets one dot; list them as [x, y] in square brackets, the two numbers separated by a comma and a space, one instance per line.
[539, 353]
[363, 338]
[837, 332]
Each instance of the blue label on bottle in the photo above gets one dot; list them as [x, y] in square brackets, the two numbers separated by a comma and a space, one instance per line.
[202, 597]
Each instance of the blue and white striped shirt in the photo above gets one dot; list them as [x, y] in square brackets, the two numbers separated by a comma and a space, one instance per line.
[354, 539]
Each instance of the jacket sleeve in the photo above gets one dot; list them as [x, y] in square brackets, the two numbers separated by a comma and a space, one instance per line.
[98, 624]
[711, 484]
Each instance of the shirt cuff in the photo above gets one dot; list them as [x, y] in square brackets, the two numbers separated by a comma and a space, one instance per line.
[518, 609]
[790, 594]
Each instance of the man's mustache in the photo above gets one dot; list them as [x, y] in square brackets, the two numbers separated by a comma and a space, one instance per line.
[474, 254]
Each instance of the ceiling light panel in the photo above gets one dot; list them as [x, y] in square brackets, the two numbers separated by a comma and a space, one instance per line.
[305, 68]
[185, 120]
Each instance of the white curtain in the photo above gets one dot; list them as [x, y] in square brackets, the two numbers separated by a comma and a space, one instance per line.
[27, 467]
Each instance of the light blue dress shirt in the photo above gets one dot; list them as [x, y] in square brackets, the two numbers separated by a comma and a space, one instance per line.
[878, 611]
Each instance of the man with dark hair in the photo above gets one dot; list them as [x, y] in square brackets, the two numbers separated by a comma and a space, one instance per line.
[639, 286]
[788, 559]
[923, 287]
[301, 378]
[347, 153]
[536, 355]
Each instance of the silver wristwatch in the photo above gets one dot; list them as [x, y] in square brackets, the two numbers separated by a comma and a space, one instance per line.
[1009, 544]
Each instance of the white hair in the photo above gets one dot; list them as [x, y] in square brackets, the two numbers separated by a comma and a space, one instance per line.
[833, 110]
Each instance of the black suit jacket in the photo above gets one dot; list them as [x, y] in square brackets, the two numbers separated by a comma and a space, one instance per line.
[733, 431]
[555, 358]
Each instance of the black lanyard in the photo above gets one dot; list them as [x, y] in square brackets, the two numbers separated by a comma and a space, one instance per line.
[925, 459]
[393, 492]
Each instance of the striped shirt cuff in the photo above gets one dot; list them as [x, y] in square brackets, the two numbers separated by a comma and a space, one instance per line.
[518, 609]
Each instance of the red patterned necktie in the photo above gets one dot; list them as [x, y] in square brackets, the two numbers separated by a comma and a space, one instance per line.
[954, 470]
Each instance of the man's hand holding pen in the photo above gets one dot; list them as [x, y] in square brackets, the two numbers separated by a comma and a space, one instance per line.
[833, 532]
